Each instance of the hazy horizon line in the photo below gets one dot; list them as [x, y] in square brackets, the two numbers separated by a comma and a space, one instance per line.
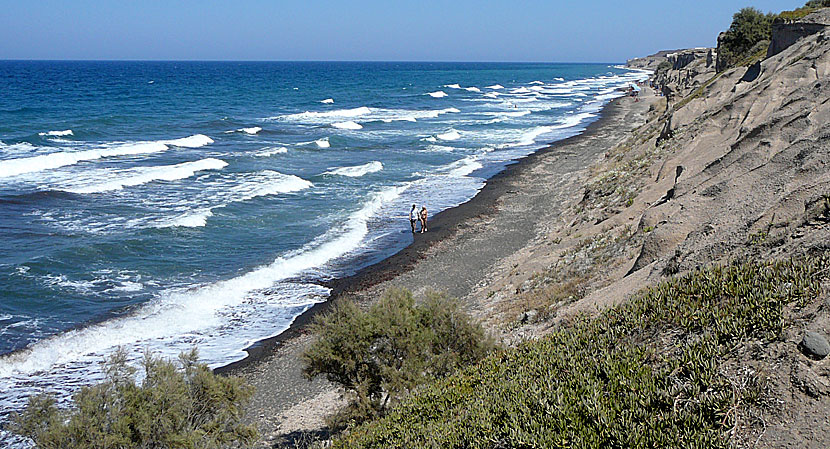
[310, 60]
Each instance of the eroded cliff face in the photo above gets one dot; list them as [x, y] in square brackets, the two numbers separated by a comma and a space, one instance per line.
[689, 70]
[755, 147]
[787, 32]
[745, 172]
[679, 72]
[650, 62]
[736, 165]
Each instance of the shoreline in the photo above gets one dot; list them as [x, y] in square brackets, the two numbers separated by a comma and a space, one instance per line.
[471, 253]
[443, 225]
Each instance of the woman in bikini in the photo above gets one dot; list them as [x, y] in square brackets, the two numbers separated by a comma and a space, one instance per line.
[423, 219]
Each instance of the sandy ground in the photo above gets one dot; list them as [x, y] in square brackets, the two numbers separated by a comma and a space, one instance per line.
[468, 249]
[648, 191]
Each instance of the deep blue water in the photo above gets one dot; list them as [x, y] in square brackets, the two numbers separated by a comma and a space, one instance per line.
[166, 204]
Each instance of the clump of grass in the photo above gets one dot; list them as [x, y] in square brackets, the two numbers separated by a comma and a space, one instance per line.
[648, 373]
[698, 92]
[615, 184]
[798, 13]
[758, 55]
[568, 279]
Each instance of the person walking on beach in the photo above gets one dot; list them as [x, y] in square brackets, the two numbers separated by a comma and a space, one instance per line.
[413, 215]
[424, 219]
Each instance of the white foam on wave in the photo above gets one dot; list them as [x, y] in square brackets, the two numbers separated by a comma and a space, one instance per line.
[102, 282]
[458, 86]
[270, 151]
[323, 143]
[336, 114]
[573, 120]
[521, 90]
[195, 141]
[16, 149]
[495, 87]
[327, 101]
[439, 149]
[536, 82]
[529, 137]
[449, 135]
[356, 170]
[437, 94]
[364, 114]
[67, 132]
[192, 219]
[196, 312]
[252, 130]
[14, 167]
[492, 95]
[559, 79]
[19, 166]
[264, 183]
[143, 175]
[520, 113]
[559, 91]
[411, 116]
[464, 167]
[347, 125]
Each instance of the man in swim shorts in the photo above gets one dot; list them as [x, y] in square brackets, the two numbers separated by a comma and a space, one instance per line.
[413, 214]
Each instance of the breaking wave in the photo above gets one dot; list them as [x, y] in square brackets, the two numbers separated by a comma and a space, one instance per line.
[138, 176]
[14, 167]
[357, 170]
[347, 125]
[449, 135]
[67, 132]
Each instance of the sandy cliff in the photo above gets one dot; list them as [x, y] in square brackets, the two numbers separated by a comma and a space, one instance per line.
[735, 165]
[746, 173]
[731, 165]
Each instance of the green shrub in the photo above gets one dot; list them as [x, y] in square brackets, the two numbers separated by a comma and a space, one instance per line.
[649, 373]
[381, 354]
[749, 27]
[180, 405]
[808, 8]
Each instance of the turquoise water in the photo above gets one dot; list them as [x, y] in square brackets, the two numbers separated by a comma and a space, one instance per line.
[168, 204]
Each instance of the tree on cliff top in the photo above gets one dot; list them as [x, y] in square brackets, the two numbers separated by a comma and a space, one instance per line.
[750, 28]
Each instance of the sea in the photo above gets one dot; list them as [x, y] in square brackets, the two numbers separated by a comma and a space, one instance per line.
[164, 205]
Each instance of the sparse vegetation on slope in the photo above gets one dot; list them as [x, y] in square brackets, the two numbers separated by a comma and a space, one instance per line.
[652, 372]
[381, 354]
[180, 405]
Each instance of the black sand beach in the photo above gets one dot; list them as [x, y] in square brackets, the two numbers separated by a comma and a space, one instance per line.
[460, 250]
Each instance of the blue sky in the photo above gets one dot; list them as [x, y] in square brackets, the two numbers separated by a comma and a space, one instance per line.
[425, 30]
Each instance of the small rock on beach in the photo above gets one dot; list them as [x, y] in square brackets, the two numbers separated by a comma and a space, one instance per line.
[815, 345]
